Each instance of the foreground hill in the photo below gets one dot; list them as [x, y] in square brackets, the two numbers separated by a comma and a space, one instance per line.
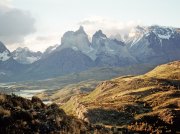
[19, 115]
[145, 103]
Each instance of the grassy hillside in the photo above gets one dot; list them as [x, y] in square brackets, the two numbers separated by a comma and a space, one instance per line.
[145, 103]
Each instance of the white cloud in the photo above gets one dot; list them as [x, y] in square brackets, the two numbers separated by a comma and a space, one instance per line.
[5, 2]
[5, 5]
[15, 24]
[37, 42]
[108, 26]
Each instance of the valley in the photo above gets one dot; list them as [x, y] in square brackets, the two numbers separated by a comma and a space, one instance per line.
[89, 67]
[147, 103]
[71, 84]
[108, 85]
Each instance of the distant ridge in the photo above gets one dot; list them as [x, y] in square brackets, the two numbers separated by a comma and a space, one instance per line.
[153, 45]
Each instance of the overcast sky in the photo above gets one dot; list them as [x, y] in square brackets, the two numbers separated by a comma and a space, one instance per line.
[38, 24]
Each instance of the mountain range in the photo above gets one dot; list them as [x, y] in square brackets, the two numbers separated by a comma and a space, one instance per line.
[152, 45]
[26, 56]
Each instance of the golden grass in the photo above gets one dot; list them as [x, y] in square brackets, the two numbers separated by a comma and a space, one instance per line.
[2, 98]
[154, 94]
[4, 112]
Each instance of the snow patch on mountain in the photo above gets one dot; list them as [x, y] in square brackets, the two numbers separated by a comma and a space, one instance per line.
[4, 55]
[139, 32]
[51, 49]
[162, 32]
[136, 34]
[77, 40]
[164, 36]
[26, 56]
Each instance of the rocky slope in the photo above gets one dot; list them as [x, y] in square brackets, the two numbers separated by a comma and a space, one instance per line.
[49, 51]
[147, 103]
[59, 63]
[110, 52]
[19, 115]
[154, 44]
[77, 41]
[26, 56]
[4, 53]
[8, 66]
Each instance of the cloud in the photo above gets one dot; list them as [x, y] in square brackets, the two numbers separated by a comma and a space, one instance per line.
[37, 42]
[108, 25]
[5, 2]
[15, 24]
[43, 38]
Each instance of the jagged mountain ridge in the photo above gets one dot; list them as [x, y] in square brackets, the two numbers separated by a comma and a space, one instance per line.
[59, 63]
[26, 56]
[110, 52]
[154, 44]
[8, 66]
[4, 53]
[49, 50]
[145, 45]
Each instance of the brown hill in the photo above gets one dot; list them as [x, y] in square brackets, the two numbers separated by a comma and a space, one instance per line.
[147, 103]
[23, 116]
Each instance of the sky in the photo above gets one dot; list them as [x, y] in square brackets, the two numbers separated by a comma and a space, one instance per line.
[38, 24]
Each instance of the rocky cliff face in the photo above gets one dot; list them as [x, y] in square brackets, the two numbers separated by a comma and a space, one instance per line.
[78, 41]
[4, 53]
[8, 66]
[110, 52]
[62, 62]
[154, 44]
[26, 56]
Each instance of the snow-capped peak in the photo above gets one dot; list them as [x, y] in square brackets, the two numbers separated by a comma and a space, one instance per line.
[162, 32]
[137, 33]
[77, 40]
[4, 52]
[26, 56]
[4, 55]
